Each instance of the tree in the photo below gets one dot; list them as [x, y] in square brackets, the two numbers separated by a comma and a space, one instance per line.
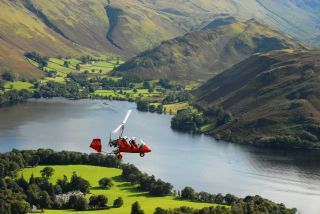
[8, 76]
[118, 202]
[184, 121]
[188, 193]
[146, 84]
[165, 83]
[105, 183]
[78, 67]
[22, 183]
[98, 201]
[136, 208]
[44, 200]
[78, 183]
[66, 64]
[63, 183]
[34, 160]
[80, 204]
[142, 105]
[47, 172]
[20, 207]
[1, 84]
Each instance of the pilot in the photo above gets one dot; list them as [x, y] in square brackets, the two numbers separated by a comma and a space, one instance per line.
[133, 142]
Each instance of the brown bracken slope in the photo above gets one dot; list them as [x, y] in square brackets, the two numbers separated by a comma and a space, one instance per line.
[274, 99]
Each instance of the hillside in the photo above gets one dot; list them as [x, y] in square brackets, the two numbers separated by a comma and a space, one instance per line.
[202, 54]
[273, 97]
[299, 18]
[126, 28]
[75, 28]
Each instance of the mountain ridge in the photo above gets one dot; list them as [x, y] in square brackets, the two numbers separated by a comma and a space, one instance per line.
[202, 54]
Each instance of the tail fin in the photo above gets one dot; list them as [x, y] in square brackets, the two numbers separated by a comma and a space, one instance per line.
[96, 145]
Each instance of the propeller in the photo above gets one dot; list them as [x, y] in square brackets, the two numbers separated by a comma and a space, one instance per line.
[123, 122]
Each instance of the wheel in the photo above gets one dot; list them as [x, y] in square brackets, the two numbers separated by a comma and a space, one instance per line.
[141, 154]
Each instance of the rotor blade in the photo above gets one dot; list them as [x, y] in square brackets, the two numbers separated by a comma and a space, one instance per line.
[117, 129]
[127, 116]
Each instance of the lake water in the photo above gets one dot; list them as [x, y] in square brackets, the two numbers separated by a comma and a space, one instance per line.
[181, 159]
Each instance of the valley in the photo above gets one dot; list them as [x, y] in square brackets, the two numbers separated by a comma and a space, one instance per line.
[200, 55]
[226, 92]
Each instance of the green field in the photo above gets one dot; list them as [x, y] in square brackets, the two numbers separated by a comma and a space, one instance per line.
[192, 86]
[126, 93]
[128, 192]
[100, 68]
[18, 85]
[173, 108]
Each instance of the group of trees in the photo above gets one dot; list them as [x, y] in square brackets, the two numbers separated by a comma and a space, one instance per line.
[165, 83]
[189, 210]
[38, 191]
[146, 182]
[249, 204]
[7, 76]
[12, 97]
[54, 89]
[143, 105]
[82, 80]
[41, 60]
[86, 59]
[1, 84]
[95, 202]
[12, 162]
[76, 184]
[218, 114]
[125, 82]
[177, 97]
[17, 194]
[188, 121]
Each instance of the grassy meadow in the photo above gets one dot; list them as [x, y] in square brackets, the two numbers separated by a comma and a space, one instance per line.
[123, 189]
[18, 85]
[175, 107]
[100, 68]
[130, 93]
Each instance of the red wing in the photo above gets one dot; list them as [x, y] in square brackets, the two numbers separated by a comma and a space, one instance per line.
[96, 145]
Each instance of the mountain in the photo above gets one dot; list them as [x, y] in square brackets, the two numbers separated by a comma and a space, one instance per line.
[77, 27]
[127, 27]
[202, 54]
[274, 99]
[298, 18]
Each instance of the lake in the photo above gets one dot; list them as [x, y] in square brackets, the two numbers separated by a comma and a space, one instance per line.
[291, 177]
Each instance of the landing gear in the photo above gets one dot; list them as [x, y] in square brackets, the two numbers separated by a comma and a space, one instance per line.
[142, 154]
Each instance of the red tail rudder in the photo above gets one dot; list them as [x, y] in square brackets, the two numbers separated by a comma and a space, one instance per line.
[96, 145]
